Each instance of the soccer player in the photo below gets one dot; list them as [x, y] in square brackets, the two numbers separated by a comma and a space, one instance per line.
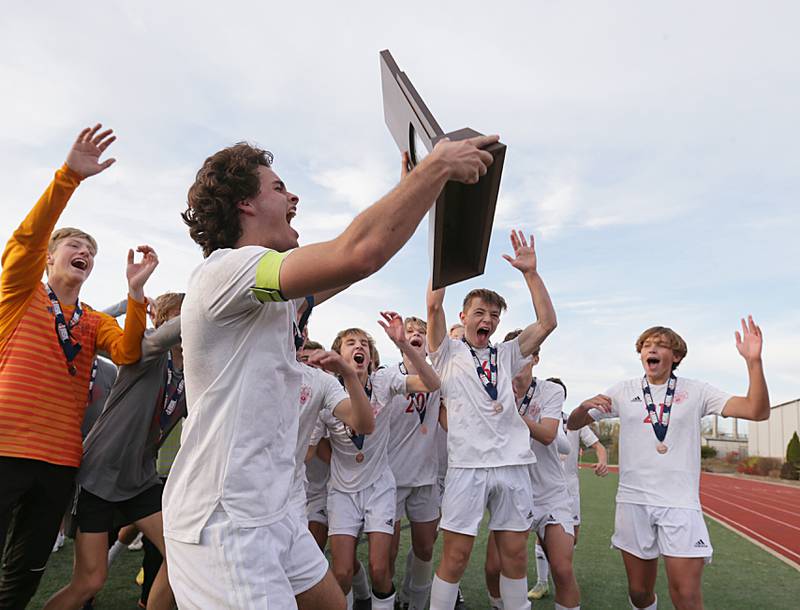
[488, 443]
[540, 403]
[47, 334]
[413, 458]
[118, 473]
[243, 376]
[569, 461]
[658, 504]
[361, 492]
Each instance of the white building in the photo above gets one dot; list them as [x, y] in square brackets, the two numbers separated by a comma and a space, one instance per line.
[769, 438]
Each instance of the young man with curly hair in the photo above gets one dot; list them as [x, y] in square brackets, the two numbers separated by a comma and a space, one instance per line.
[243, 377]
[658, 503]
[48, 342]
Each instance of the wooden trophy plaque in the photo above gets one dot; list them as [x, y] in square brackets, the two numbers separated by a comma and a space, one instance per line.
[460, 224]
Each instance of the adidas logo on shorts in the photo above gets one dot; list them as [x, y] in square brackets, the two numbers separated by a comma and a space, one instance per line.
[322, 511]
[530, 515]
[390, 522]
[700, 544]
[551, 519]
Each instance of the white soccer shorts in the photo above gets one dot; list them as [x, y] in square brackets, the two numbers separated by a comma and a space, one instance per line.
[372, 508]
[576, 509]
[554, 513]
[505, 490]
[650, 531]
[419, 504]
[243, 568]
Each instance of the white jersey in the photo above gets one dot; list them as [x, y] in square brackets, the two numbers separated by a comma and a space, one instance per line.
[319, 390]
[570, 461]
[441, 451]
[412, 450]
[242, 387]
[647, 477]
[480, 435]
[317, 475]
[354, 468]
[547, 475]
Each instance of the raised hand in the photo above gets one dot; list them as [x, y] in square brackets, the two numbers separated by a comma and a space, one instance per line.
[464, 159]
[392, 323]
[601, 402]
[750, 341]
[524, 257]
[139, 273]
[84, 156]
[330, 361]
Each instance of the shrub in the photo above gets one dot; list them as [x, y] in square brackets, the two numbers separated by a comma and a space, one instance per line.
[793, 450]
[758, 466]
[707, 452]
[790, 472]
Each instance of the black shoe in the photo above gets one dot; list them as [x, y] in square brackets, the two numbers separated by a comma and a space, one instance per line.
[460, 603]
[362, 604]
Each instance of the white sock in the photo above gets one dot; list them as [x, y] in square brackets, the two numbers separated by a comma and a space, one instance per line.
[115, 550]
[360, 583]
[495, 603]
[404, 594]
[560, 607]
[443, 594]
[542, 567]
[383, 604]
[349, 598]
[514, 592]
[653, 606]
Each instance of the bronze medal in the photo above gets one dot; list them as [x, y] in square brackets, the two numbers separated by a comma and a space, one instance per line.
[662, 448]
[73, 370]
[498, 406]
[359, 457]
[423, 429]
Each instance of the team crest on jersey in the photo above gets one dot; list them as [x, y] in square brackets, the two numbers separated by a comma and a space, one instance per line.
[681, 396]
[305, 394]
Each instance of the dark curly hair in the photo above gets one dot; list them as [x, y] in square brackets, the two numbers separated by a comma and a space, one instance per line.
[226, 178]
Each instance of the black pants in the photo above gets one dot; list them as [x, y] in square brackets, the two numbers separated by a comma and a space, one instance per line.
[33, 498]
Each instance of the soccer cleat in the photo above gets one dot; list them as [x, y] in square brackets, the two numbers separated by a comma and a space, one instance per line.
[540, 589]
[461, 604]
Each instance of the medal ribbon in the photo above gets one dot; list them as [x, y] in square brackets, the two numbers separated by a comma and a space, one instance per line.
[63, 334]
[167, 417]
[659, 427]
[490, 385]
[420, 412]
[358, 439]
[299, 326]
[526, 400]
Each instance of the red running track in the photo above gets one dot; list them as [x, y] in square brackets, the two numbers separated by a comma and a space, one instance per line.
[767, 513]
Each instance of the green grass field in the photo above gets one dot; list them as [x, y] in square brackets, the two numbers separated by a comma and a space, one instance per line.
[742, 576]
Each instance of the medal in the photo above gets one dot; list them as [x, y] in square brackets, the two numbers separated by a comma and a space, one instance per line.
[72, 370]
[489, 383]
[423, 429]
[660, 426]
[359, 457]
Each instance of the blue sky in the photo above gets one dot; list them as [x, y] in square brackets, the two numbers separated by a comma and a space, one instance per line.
[653, 150]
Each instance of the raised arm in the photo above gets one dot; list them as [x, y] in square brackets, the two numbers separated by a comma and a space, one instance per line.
[25, 256]
[437, 324]
[380, 231]
[426, 379]
[754, 406]
[355, 411]
[524, 260]
[161, 339]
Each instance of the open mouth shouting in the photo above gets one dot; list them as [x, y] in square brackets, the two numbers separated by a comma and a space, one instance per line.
[483, 333]
[359, 358]
[416, 342]
[289, 217]
[79, 263]
[652, 363]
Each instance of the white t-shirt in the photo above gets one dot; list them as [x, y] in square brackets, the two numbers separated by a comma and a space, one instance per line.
[547, 475]
[319, 390]
[242, 388]
[441, 452]
[570, 462]
[647, 477]
[347, 473]
[413, 419]
[478, 436]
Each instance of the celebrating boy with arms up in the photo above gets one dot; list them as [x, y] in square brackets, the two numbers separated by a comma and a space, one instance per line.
[243, 379]
[488, 443]
[658, 504]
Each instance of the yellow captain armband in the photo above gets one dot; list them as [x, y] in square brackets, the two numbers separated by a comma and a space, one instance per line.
[267, 288]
